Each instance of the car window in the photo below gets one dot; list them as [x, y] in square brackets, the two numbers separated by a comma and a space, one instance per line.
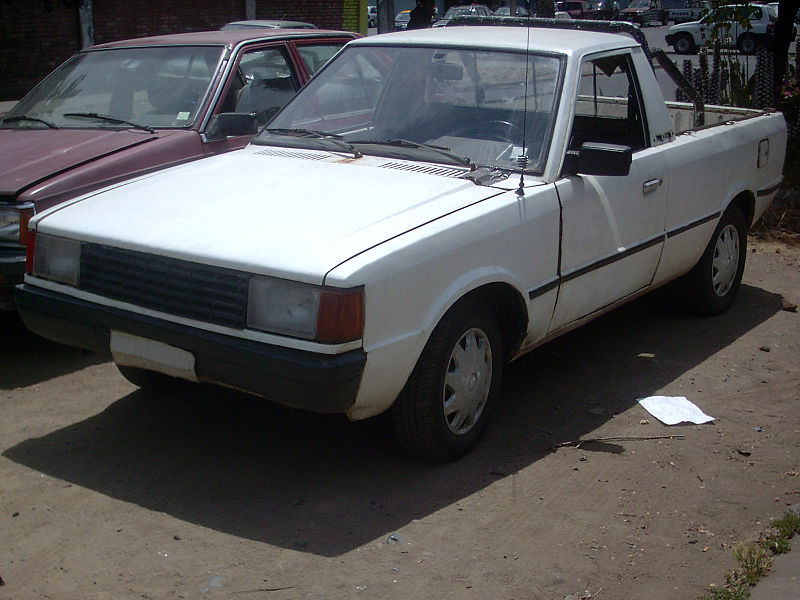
[316, 55]
[265, 81]
[492, 106]
[152, 86]
[608, 109]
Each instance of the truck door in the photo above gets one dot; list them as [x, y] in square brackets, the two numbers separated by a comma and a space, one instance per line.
[612, 227]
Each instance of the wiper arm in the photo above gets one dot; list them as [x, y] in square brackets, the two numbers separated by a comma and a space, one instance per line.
[28, 118]
[337, 140]
[110, 119]
[403, 143]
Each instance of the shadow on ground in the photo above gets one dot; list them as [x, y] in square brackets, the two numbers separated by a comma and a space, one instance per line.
[27, 359]
[323, 485]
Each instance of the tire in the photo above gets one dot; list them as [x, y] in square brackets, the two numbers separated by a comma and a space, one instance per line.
[148, 380]
[711, 286]
[746, 44]
[371, 23]
[684, 44]
[428, 417]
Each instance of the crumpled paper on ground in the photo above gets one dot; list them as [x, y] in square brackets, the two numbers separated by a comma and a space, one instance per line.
[672, 410]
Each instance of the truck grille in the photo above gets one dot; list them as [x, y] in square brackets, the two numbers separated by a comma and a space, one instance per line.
[169, 285]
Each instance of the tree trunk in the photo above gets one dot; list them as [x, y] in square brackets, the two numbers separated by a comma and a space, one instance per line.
[784, 28]
[545, 8]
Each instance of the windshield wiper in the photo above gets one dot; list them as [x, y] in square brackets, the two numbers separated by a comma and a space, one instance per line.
[403, 143]
[110, 119]
[28, 118]
[337, 140]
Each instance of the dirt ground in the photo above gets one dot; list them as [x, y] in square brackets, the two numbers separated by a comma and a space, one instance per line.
[111, 492]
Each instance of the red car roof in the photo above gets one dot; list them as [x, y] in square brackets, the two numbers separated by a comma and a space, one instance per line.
[224, 38]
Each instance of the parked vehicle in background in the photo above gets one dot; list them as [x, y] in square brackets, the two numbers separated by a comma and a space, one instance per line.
[505, 11]
[372, 16]
[644, 12]
[461, 11]
[689, 10]
[607, 10]
[118, 110]
[576, 10]
[402, 20]
[686, 38]
[430, 206]
[267, 24]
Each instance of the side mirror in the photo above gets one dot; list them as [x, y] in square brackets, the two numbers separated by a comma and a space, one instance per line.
[225, 125]
[599, 159]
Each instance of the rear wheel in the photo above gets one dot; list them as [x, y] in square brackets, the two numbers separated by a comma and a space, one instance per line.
[711, 286]
[446, 403]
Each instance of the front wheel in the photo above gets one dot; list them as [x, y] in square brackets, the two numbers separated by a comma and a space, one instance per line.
[711, 286]
[444, 408]
[747, 44]
[684, 44]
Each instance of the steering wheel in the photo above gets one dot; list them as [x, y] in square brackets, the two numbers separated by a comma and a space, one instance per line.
[495, 130]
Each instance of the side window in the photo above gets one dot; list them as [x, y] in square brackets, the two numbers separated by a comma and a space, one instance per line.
[316, 55]
[263, 83]
[608, 108]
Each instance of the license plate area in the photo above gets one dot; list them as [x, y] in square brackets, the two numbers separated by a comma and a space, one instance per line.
[134, 351]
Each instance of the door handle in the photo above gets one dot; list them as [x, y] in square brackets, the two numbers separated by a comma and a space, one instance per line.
[651, 185]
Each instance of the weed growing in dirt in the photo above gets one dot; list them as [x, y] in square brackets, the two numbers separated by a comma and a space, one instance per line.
[755, 560]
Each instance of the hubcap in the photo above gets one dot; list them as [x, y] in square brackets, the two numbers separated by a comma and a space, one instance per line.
[467, 381]
[726, 260]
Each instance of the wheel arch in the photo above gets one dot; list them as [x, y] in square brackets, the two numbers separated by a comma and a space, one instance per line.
[745, 200]
[509, 308]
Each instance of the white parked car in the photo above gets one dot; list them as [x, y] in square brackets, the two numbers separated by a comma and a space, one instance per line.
[432, 205]
[686, 38]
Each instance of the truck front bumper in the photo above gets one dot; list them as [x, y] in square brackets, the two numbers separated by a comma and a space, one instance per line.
[318, 382]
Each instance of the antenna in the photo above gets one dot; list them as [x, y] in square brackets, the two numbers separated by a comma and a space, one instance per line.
[522, 160]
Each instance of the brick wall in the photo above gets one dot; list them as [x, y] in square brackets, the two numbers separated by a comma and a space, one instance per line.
[322, 13]
[34, 40]
[121, 19]
[38, 35]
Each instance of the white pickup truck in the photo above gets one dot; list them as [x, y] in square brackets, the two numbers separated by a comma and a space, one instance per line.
[433, 204]
[741, 26]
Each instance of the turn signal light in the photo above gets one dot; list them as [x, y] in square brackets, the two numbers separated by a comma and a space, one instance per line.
[341, 315]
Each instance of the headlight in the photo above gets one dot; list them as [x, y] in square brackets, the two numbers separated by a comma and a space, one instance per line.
[14, 223]
[57, 259]
[306, 311]
[282, 306]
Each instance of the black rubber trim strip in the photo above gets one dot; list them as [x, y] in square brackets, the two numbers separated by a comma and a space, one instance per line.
[614, 258]
[694, 224]
[326, 383]
[771, 189]
[543, 289]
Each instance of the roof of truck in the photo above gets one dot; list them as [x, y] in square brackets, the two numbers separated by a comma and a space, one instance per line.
[536, 39]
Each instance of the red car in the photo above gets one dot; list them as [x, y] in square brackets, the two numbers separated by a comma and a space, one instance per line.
[119, 110]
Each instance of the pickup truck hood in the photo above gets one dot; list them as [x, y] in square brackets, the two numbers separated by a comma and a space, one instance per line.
[295, 216]
[28, 156]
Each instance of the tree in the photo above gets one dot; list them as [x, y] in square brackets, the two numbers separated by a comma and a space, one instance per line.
[784, 32]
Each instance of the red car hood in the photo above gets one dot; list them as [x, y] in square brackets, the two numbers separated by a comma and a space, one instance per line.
[28, 156]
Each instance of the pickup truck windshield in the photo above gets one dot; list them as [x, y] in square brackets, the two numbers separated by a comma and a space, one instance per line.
[430, 104]
[141, 87]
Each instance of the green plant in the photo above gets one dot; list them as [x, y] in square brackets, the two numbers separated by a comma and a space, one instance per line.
[788, 525]
[753, 561]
